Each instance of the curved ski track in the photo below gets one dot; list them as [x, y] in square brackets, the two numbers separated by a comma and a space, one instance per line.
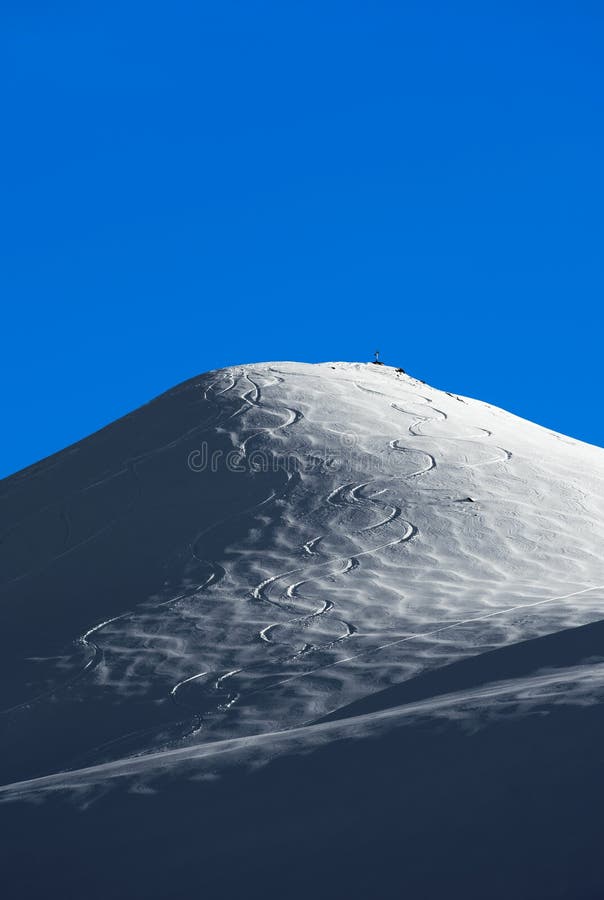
[346, 494]
[252, 398]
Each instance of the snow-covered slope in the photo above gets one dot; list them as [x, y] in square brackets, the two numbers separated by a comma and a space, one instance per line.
[275, 557]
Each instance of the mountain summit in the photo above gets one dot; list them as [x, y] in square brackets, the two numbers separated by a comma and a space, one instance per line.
[334, 570]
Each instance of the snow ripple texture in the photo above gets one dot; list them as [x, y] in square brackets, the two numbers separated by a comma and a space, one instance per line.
[408, 530]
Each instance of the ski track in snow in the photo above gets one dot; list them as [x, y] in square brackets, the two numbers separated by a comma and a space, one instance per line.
[394, 445]
[342, 495]
[253, 397]
[293, 415]
[415, 429]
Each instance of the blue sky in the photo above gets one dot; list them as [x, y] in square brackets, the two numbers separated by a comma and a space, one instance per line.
[192, 185]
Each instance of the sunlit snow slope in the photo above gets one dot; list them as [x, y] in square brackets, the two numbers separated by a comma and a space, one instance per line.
[282, 555]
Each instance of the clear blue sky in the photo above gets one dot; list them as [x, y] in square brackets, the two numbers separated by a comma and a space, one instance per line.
[194, 184]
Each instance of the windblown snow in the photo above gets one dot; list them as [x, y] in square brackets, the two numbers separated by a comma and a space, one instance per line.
[270, 555]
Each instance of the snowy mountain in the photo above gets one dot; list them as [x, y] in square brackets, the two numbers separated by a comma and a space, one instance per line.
[305, 629]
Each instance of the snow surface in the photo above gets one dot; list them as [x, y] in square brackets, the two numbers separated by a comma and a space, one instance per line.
[283, 559]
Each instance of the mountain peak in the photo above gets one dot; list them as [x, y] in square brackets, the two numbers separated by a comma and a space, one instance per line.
[284, 539]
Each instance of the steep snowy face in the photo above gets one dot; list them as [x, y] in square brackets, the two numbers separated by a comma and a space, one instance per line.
[269, 543]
